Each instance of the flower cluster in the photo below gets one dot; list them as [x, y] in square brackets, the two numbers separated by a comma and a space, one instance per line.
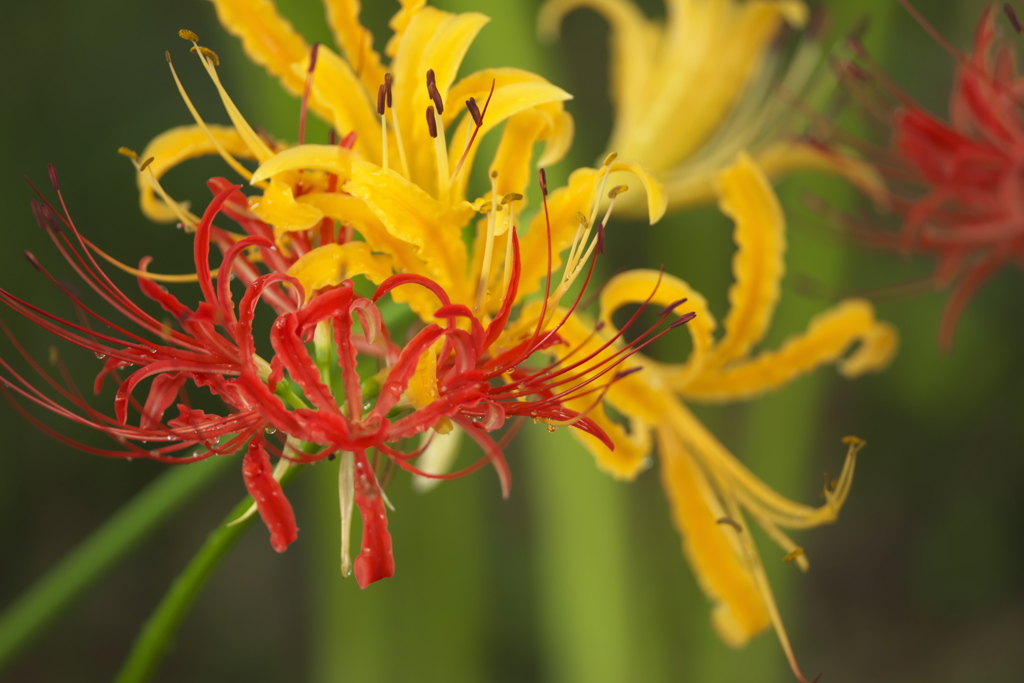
[367, 302]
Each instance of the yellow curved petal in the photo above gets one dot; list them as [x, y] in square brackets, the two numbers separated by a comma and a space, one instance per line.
[354, 212]
[657, 202]
[760, 235]
[877, 348]
[828, 337]
[515, 150]
[635, 286]
[785, 157]
[433, 40]
[329, 158]
[399, 22]
[632, 446]
[739, 612]
[356, 41]
[413, 216]
[559, 141]
[332, 264]
[277, 207]
[635, 42]
[175, 146]
[336, 89]
[508, 100]
[711, 51]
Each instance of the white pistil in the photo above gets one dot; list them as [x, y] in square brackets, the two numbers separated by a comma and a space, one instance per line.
[346, 499]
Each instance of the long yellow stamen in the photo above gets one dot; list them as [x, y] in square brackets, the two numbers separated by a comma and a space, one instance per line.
[231, 160]
[248, 135]
[185, 217]
[155, 277]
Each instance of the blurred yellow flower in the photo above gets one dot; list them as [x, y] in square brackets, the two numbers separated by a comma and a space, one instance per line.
[710, 491]
[694, 91]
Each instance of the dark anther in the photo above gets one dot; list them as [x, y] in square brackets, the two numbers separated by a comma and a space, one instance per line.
[44, 216]
[382, 95]
[312, 56]
[431, 123]
[53, 176]
[543, 182]
[683, 320]
[598, 326]
[626, 373]
[167, 56]
[33, 260]
[474, 111]
[731, 522]
[430, 79]
[599, 248]
[332, 456]
[387, 85]
[332, 137]
[857, 72]
[672, 306]
[435, 96]
[1012, 16]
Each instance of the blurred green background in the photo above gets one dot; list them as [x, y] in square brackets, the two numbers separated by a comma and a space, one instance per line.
[577, 577]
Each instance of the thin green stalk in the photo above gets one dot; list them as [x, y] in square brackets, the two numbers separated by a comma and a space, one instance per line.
[40, 606]
[160, 629]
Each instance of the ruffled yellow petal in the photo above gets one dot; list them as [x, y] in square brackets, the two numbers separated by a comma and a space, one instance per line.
[329, 158]
[332, 264]
[174, 147]
[710, 546]
[632, 446]
[354, 212]
[413, 216]
[747, 198]
[277, 207]
[268, 38]
[635, 286]
[356, 41]
[827, 338]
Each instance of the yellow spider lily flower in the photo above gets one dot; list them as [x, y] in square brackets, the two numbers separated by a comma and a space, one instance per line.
[712, 494]
[694, 91]
[412, 213]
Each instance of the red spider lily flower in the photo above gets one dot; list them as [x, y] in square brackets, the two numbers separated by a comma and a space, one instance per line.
[301, 405]
[964, 204]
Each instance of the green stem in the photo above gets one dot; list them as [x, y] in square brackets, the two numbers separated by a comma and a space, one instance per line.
[40, 606]
[159, 630]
